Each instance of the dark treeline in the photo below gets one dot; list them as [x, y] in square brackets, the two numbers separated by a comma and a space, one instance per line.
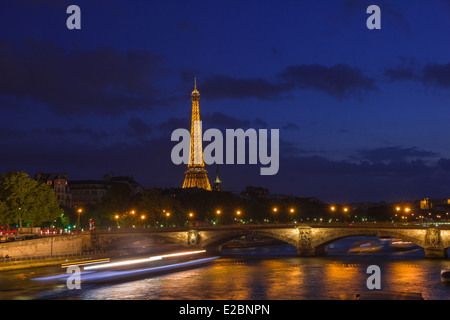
[179, 207]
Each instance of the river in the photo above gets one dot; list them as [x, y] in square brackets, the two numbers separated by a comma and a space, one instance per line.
[259, 273]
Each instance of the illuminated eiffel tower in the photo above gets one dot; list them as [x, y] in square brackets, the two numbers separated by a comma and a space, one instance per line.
[196, 174]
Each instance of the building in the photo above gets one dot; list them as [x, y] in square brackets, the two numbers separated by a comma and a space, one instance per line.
[255, 192]
[86, 192]
[59, 183]
[435, 204]
[125, 180]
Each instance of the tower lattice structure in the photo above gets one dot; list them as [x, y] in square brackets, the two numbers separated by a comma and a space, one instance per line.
[196, 174]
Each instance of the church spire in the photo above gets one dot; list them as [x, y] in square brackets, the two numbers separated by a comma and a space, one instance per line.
[217, 181]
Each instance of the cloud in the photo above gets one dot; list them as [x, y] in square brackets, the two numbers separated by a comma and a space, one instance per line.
[396, 154]
[437, 74]
[139, 127]
[431, 74]
[220, 86]
[75, 131]
[105, 81]
[340, 81]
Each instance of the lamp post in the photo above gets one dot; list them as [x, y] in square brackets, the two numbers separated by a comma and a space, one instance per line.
[79, 214]
[218, 212]
[117, 220]
[167, 218]
[292, 210]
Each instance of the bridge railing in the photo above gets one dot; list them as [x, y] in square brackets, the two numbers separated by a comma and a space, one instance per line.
[280, 225]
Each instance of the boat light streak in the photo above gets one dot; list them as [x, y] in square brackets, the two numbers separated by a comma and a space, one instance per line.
[136, 261]
[88, 262]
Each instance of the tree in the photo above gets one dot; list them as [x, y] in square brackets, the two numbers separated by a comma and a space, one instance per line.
[25, 200]
[155, 206]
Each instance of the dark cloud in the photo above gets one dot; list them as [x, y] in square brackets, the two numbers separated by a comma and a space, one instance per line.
[75, 132]
[340, 81]
[437, 74]
[7, 133]
[148, 161]
[105, 81]
[220, 86]
[217, 120]
[432, 74]
[395, 154]
[400, 73]
[174, 123]
[139, 127]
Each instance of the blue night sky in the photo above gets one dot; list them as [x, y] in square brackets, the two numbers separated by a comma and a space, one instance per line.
[364, 115]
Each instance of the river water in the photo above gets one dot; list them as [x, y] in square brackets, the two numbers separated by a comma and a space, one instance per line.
[260, 273]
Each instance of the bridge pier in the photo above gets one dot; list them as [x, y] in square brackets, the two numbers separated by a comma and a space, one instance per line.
[214, 250]
[311, 252]
[436, 253]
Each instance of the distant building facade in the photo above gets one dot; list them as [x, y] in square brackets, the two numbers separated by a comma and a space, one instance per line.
[435, 204]
[59, 183]
[86, 192]
[255, 192]
[126, 180]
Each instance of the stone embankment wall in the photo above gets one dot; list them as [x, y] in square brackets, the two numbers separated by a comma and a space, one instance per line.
[51, 245]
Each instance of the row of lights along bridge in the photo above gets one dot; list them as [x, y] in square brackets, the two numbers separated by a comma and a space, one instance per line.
[338, 214]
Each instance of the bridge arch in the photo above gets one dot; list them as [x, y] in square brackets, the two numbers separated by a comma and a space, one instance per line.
[331, 236]
[215, 241]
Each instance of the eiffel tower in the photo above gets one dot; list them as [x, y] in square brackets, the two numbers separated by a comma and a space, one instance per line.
[196, 174]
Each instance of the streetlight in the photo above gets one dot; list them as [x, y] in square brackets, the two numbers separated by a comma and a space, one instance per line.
[79, 213]
[275, 209]
[167, 218]
[218, 212]
[117, 220]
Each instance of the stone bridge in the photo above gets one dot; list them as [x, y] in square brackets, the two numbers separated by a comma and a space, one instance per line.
[310, 240]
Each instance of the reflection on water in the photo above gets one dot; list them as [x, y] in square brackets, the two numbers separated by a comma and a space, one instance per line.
[262, 273]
